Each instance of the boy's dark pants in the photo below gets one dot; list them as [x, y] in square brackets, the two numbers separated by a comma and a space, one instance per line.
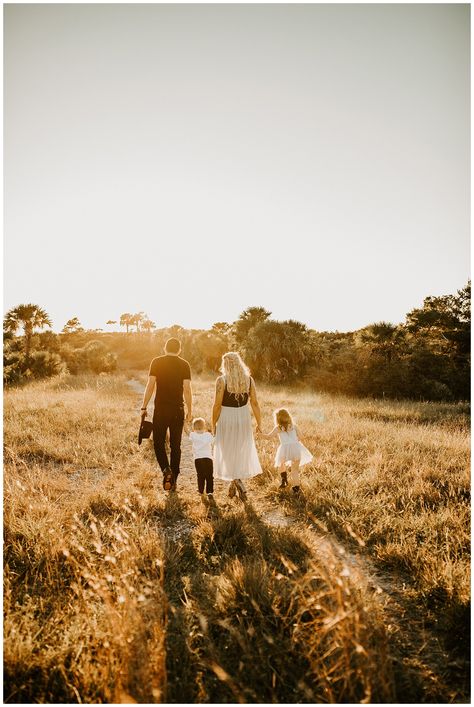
[204, 470]
[164, 418]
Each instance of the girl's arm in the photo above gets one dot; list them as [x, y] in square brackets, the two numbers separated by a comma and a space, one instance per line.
[217, 407]
[254, 404]
[270, 434]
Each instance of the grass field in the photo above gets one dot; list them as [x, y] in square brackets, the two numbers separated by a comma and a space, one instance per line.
[118, 592]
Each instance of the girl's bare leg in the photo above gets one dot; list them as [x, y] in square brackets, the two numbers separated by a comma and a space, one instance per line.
[284, 475]
[295, 473]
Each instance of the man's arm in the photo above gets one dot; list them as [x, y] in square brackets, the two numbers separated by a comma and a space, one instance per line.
[150, 387]
[188, 398]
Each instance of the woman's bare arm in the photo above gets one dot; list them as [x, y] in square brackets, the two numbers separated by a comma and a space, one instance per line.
[254, 404]
[270, 434]
[216, 408]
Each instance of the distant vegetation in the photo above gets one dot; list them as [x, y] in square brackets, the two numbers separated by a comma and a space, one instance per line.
[427, 357]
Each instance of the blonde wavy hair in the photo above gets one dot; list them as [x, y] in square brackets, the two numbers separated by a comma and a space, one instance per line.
[237, 375]
[283, 419]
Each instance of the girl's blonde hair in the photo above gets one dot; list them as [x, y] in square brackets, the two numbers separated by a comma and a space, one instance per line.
[283, 419]
[237, 375]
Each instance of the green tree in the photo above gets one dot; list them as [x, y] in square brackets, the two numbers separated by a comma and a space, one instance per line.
[211, 345]
[278, 351]
[137, 319]
[126, 320]
[72, 325]
[445, 320]
[175, 330]
[148, 325]
[28, 317]
[249, 318]
[384, 339]
[221, 327]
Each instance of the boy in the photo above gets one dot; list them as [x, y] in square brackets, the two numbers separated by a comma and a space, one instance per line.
[202, 441]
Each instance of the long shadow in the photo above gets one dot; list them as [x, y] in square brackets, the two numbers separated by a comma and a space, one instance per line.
[180, 560]
[200, 638]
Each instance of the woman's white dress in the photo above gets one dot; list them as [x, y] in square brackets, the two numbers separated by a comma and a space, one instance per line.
[235, 454]
[291, 449]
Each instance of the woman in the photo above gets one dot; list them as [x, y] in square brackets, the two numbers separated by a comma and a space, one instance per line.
[235, 455]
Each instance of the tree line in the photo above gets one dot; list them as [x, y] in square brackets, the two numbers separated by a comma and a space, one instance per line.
[426, 357]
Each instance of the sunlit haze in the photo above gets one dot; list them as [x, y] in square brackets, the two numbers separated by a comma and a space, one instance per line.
[190, 161]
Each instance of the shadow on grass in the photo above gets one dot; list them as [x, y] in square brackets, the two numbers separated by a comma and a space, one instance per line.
[238, 591]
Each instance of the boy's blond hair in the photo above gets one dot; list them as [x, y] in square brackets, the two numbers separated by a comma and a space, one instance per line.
[283, 419]
[199, 423]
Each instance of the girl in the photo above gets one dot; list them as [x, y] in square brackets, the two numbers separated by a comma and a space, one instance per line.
[290, 452]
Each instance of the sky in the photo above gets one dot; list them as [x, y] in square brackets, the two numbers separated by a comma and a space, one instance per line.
[190, 161]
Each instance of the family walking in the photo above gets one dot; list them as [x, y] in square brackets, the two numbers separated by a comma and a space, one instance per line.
[228, 452]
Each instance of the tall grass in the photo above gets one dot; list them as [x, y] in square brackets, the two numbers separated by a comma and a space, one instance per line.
[85, 613]
[117, 592]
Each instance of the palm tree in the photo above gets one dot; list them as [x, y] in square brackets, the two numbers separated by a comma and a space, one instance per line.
[137, 319]
[148, 325]
[384, 338]
[126, 320]
[249, 318]
[29, 317]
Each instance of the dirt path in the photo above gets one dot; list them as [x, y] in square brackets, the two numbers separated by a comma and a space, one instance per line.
[426, 668]
[422, 666]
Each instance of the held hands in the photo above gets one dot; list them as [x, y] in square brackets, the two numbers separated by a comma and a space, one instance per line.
[143, 414]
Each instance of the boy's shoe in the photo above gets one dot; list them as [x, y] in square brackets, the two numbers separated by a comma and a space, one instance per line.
[210, 499]
[284, 480]
[204, 500]
[168, 479]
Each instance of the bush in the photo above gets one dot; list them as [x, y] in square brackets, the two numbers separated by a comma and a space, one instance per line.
[94, 357]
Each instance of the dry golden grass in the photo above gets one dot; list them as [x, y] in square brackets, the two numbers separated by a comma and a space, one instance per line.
[117, 592]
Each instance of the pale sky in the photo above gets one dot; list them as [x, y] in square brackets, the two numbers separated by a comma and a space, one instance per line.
[194, 160]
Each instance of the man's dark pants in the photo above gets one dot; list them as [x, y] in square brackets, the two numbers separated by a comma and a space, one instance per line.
[168, 417]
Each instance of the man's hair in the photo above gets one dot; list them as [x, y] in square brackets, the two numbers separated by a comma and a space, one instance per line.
[173, 345]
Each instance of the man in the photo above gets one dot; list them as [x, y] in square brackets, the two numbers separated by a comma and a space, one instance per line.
[171, 375]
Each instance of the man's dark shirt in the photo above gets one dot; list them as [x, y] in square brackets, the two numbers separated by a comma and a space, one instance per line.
[170, 372]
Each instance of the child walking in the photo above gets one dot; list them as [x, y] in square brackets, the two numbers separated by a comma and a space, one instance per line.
[202, 441]
[291, 452]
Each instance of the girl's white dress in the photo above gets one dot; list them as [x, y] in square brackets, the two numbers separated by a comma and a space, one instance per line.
[235, 454]
[291, 449]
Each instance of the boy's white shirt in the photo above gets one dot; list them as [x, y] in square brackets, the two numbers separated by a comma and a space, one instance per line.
[202, 444]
